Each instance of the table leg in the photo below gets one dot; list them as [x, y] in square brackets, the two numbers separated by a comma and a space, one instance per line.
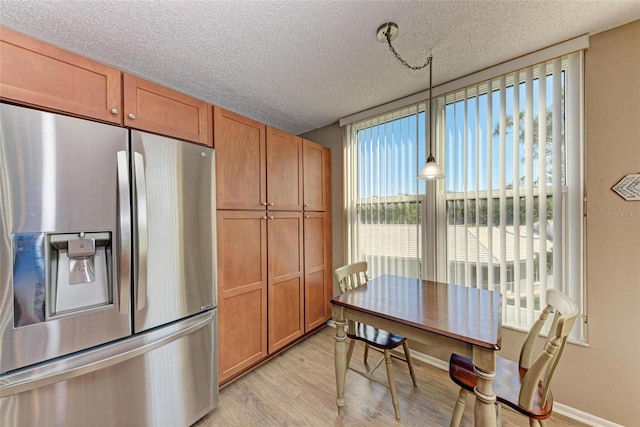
[340, 356]
[484, 365]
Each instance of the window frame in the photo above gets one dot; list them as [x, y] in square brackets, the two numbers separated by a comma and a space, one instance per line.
[572, 205]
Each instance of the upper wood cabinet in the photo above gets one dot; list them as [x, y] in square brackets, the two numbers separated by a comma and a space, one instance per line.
[35, 73]
[154, 108]
[257, 166]
[241, 161]
[284, 171]
[317, 176]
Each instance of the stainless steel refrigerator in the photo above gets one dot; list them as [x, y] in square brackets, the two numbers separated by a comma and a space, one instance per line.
[107, 275]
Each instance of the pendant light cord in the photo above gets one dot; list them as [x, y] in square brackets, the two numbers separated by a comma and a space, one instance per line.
[430, 158]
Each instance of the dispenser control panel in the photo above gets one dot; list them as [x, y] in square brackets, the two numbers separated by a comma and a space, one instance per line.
[28, 279]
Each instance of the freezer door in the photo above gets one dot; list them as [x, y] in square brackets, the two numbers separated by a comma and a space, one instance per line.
[174, 253]
[64, 278]
[164, 377]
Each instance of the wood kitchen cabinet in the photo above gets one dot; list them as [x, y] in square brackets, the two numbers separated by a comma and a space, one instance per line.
[285, 272]
[242, 290]
[256, 289]
[284, 171]
[318, 274]
[37, 74]
[262, 175]
[154, 108]
[317, 176]
[241, 161]
[258, 167]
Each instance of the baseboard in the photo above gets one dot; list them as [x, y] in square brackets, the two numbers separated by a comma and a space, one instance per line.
[583, 417]
[559, 408]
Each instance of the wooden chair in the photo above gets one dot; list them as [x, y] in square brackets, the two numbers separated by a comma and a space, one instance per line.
[523, 386]
[350, 277]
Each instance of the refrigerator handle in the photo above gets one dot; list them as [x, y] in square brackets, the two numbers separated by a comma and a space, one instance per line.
[141, 218]
[124, 232]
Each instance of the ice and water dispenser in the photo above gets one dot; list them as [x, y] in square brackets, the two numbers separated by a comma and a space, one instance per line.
[60, 274]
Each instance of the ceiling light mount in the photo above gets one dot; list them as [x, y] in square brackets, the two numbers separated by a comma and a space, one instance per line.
[388, 32]
[390, 27]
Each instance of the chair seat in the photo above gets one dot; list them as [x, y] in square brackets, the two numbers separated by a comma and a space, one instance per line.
[506, 384]
[375, 337]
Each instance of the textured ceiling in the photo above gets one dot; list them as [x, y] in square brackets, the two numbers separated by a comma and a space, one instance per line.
[300, 65]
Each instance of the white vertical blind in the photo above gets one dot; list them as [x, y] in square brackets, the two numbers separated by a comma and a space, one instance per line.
[528, 192]
[465, 180]
[503, 184]
[556, 162]
[479, 269]
[513, 147]
[542, 180]
[382, 157]
[517, 289]
[489, 172]
[508, 215]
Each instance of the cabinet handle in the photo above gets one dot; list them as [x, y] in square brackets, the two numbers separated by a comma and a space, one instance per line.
[271, 204]
[115, 111]
[132, 116]
[264, 203]
[264, 217]
[272, 217]
[307, 216]
[306, 205]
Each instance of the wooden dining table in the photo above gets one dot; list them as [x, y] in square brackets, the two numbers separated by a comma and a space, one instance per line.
[456, 318]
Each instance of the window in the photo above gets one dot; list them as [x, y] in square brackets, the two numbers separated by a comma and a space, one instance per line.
[383, 206]
[508, 215]
[513, 189]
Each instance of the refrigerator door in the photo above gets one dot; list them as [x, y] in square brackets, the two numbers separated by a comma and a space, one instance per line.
[174, 251]
[64, 270]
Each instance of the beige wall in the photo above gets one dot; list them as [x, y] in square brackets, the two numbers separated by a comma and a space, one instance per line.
[612, 92]
[603, 378]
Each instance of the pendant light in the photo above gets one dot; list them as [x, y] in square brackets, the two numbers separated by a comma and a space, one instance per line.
[430, 170]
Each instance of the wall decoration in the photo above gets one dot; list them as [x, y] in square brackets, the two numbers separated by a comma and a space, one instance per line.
[629, 187]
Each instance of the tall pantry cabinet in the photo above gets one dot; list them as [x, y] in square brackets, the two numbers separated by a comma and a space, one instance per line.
[269, 239]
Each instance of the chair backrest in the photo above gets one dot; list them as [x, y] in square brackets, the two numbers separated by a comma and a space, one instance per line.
[351, 276]
[543, 366]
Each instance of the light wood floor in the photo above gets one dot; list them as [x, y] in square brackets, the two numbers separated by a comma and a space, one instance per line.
[297, 388]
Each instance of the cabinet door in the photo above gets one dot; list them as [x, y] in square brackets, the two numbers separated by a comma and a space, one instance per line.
[241, 166]
[35, 73]
[242, 290]
[154, 108]
[317, 175]
[318, 284]
[284, 170]
[285, 272]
